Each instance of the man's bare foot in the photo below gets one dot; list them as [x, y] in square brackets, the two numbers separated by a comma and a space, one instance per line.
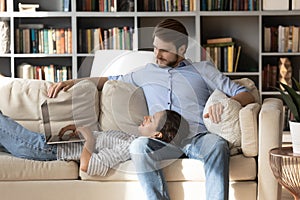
[85, 159]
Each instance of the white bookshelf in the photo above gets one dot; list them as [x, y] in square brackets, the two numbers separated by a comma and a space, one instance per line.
[246, 27]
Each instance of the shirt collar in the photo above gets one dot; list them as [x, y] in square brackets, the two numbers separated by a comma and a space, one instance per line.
[185, 62]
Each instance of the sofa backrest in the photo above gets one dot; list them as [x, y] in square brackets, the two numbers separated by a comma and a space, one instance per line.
[119, 62]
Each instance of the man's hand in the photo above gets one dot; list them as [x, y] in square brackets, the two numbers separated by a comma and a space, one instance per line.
[56, 87]
[214, 112]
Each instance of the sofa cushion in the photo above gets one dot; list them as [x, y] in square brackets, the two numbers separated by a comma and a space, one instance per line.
[15, 169]
[123, 107]
[241, 168]
[21, 100]
[249, 128]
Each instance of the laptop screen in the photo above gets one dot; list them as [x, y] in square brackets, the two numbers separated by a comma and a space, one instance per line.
[46, 120]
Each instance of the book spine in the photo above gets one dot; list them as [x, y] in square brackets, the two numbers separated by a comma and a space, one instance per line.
[41, 41]
[34, 41]
[50, 41]
[46, 41]
[230, 58]
[66, 5]
[17, 36]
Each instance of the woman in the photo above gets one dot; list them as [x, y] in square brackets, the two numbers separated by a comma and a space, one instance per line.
[100, 151]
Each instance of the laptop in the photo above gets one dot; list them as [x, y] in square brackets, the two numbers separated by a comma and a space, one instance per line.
[54, 138]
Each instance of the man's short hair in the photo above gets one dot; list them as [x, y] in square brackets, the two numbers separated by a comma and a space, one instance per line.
[171, 30]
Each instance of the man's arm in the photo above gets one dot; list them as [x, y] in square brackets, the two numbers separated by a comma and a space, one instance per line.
[65, 85]
[244, 98]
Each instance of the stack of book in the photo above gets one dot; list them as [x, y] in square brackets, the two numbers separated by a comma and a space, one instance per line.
[269, 77]
[281, 39]
[53, 73]
[105, 5]
[98, 39]
[223, 52]
[229, 5]
[167, 5]
[34, 38]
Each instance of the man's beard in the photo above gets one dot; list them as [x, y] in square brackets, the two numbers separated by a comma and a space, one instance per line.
[168, 63]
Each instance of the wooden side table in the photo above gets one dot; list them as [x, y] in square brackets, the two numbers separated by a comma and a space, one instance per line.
[286, 168]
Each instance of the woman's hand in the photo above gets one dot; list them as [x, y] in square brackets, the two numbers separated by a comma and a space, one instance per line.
[56, 87]
[71, 128]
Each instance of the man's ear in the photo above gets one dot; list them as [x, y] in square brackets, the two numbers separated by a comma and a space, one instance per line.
[157, 135]
[182, 50]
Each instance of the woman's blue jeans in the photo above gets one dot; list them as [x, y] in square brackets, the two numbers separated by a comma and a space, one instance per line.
[23, 143]
[209, 148]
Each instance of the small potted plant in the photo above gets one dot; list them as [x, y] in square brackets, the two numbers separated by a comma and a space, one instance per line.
[292, 99]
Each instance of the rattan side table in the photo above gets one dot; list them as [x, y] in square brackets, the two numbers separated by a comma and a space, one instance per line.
[286, 168]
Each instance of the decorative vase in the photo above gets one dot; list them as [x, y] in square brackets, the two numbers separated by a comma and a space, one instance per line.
[295, 134]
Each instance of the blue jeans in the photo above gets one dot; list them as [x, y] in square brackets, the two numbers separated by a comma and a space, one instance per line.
[23, 143]
[211, 149]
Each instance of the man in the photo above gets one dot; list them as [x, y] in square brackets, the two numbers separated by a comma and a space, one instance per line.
[177, 84]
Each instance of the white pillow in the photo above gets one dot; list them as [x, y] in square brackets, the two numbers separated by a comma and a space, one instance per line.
[123, 107]
[21, 100]
[229, 127]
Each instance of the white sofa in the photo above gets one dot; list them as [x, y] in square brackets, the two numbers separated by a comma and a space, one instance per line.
[250, 175]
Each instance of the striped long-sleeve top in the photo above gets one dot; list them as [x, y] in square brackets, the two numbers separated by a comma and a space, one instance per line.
[111, 148]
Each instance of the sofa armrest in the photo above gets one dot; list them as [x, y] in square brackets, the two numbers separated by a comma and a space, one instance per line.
[270, 136]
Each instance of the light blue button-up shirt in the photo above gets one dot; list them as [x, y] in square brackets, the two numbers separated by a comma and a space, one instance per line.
[184, 89]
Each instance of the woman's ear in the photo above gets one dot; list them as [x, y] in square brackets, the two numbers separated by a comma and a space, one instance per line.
[157, 135]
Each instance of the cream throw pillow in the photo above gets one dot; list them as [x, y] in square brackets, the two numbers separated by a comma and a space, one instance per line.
[229, 127]
[123, 107]
[21, 100]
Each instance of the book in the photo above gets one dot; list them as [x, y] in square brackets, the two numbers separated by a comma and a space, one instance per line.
[275, 4]
[26, 40]
[25, 71]
[274, 39]
[69, 40]
[237, 58]
[295, 5]
[267, 39]
[295, 39]
[270, 74]
[2, 5]
[222, 44]
[219, 40]
[34, 41]
[230, 58]
[66, 6]
[46, 41]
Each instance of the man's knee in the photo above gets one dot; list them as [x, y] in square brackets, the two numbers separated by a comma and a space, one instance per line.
[221, 148]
